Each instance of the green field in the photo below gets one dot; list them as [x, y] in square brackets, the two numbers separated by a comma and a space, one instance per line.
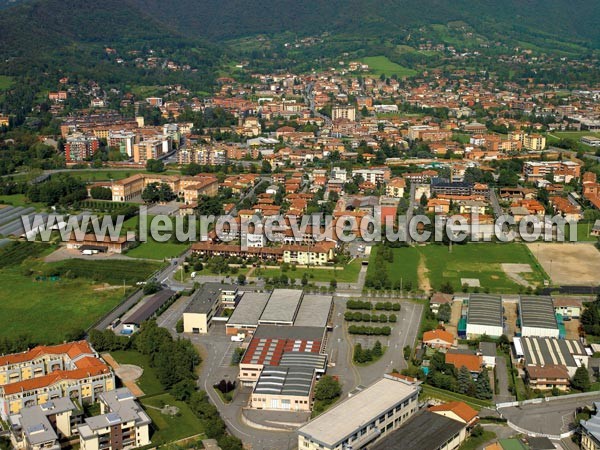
[19, 200]
[448, 396]
[382, 65]
[114, 271]
[157, 250]
[49, 310]
[5, 82]
[171, 428]
[583, 232]
[102, 174]
[404, 267]
[148, 381]
[342, 274]
[482, 261]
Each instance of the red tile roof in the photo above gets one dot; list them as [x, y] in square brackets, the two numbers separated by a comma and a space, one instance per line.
[471, 362]
[462, 410]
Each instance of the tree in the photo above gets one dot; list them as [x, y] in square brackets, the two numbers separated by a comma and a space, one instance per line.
[377, 350]
[423, 200]
[241, 278]
[101, 193]
[155, 166]
[581, 379]
[266, 167]
[150, 194]
[483, 389]
[447, 288]
[407, 352]
[151, 287]
[165, 193]
[465, 381]
[328, 388]
[444, 312]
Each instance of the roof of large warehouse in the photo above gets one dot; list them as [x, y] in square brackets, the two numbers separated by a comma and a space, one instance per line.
[280, 380]
[249, 308]
[282, 306]
[537, 311]
[485, 309]
[314, 310]
[543, 351]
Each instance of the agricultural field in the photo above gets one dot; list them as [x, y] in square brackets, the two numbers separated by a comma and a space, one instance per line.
[48, 310]
[342, 274]
[19, 200]
[569, 264]
[16, 252]
[113, 271]
[382, 65]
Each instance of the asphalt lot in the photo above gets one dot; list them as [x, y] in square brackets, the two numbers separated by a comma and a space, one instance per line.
[553, 418]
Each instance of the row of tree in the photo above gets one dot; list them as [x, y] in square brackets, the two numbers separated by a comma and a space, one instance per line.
[365, 355]
[366, 317]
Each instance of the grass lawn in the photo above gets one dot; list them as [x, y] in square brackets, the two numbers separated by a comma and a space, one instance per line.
[382, 65]
[171, 428]
[344, 274]
[447, 396]
[583, 232]
[404, 267]
[474, 442]
[102, 174]
[481, 261]
[5, 82]
[19, 200]
[48, 310]
[148, 381]
[157, 250]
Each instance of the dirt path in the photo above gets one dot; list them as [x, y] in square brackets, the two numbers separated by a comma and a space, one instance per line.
[422, 274]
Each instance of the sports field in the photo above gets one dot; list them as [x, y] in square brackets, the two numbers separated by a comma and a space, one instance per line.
[569, 264]
[430, 266]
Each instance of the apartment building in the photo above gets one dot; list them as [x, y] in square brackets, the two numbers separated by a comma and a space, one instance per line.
[314, 255]
[373, 175]
[206, 156]
[590, 431]
[123, 140]
[152, 148]
[187, 187]
[46, 373]
[122, 424]
[197, 317]
[347, 112]
[42, 426]
[395, 188]
[363, 418]
[561, 171]
[80, 147]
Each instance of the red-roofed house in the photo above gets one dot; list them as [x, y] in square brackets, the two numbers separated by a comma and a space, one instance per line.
[439, 339]
[470, 361]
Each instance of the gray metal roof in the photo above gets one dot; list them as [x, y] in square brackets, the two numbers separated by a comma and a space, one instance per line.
[205, 297]
[537, 311]
[35, 423]
[485, 310]
[426, 430]
[314, 310]
[543, 351]
[315, 361]
[249, 309]
[293, 332]
[149, 307]
[280, 380]
[282, 306]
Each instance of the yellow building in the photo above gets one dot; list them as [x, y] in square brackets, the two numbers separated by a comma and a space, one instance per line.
[45, 373]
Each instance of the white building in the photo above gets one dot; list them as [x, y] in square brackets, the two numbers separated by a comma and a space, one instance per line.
[485, 315]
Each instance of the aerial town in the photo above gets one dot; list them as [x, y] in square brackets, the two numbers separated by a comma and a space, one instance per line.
[343, 253]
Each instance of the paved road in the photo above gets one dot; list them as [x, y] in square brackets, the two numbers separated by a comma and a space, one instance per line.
[495, 204]
[215, 348]
[552, 418]
[502, 375]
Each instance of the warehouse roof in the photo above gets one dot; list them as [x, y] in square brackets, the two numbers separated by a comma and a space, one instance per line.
[149, 307]
[282, 306]
[350, 415]
[280, 380]
[545, 351]
[315, 361]
[314, 310]
[204, 298]
[249, 309]
[269, 343]
[425, 430]
[537, 312]
[485, 310]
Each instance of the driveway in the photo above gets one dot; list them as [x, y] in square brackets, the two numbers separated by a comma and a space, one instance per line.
[502, 374]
